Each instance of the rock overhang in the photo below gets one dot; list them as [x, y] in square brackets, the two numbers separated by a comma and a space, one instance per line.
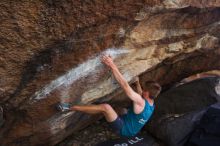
[163, 45]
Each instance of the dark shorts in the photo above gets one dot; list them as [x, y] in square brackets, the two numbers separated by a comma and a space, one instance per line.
[117, 125]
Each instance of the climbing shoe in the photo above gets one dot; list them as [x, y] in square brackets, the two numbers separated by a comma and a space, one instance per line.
[63, 107]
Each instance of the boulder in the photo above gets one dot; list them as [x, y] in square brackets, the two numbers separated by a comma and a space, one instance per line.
[179, 109]
[50, 53]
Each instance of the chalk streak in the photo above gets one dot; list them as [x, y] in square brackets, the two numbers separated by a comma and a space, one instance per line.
[82, 70]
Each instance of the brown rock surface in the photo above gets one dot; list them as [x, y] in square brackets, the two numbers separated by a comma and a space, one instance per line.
[49, 52]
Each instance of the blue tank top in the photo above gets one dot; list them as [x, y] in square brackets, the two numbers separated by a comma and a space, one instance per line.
[134, 122]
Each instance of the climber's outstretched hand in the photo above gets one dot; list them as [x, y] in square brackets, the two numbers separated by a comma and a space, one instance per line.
[107, 60]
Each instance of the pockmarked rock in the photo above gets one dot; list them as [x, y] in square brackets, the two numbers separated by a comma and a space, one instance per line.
[50, 50]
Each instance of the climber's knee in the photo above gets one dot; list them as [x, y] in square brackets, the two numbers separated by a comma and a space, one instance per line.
[109, 112]
[106, 107]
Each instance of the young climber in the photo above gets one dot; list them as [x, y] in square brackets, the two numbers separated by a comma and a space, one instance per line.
[130, 123]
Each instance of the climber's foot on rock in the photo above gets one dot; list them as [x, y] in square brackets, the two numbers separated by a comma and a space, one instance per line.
[63, 107]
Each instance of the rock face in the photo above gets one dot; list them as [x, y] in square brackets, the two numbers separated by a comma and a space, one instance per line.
[180, 108]
[50, 53]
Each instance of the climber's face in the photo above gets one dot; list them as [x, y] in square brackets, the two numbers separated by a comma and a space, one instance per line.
[151, 89]
[145, 94]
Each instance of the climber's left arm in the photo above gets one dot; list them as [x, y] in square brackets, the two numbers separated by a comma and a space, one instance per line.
[138, 86]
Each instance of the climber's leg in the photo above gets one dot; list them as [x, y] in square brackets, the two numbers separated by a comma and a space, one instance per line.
[105, 109]
[111, 116]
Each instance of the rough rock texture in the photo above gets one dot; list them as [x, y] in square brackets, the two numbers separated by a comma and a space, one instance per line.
[180, 108]
[50, 50]
[100, 133]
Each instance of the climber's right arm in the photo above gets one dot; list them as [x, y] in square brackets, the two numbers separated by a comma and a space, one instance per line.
[135, 97]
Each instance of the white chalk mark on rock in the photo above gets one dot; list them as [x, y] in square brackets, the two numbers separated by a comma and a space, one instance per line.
[82, 70]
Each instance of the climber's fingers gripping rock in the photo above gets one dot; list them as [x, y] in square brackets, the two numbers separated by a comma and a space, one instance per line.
[107, 60]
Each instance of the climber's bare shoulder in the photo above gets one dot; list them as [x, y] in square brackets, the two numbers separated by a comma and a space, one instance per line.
[138, 101]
